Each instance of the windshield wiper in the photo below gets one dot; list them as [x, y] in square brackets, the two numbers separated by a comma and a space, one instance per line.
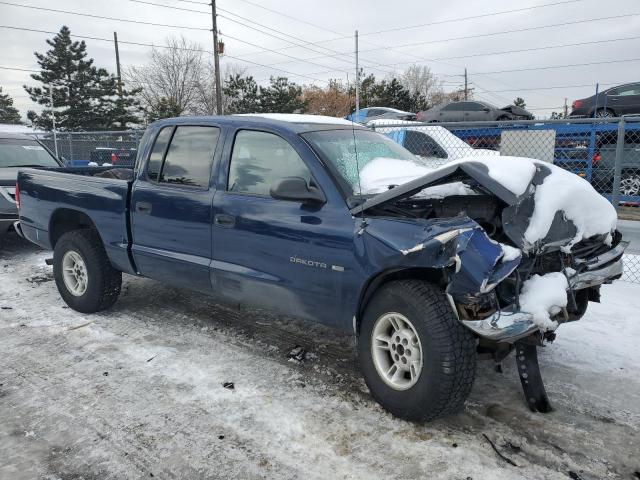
[26, 165]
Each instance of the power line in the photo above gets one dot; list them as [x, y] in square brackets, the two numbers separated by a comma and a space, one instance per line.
[551, 67]
[503, 32]
[506, 52]
[167, 47]
[473, 17]
[304, 43]
[19, 69]
[68, 12]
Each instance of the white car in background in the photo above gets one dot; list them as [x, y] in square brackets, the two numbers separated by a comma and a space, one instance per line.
[434, 145]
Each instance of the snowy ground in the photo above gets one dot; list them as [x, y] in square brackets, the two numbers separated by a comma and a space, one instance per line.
[137, 392]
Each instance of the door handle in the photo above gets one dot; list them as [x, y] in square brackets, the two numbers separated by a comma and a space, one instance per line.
[143, 207]
[224, 220]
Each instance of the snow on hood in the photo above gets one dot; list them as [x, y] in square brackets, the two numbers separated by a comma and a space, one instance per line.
[590, 212]
[559, 191]
[381, 173]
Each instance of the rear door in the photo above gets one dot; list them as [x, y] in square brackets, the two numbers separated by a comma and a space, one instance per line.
[476, 112]
[171, 207]
[451, 113]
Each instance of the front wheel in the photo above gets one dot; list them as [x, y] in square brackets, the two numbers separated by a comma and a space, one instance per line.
[84, 276]
[417, 359]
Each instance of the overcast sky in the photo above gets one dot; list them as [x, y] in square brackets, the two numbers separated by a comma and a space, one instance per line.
[314, 21]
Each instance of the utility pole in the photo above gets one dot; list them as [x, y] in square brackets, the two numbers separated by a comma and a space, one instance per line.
[216, 57]
[115, 42]
[466, 89]
[357, 80]
[566, 108]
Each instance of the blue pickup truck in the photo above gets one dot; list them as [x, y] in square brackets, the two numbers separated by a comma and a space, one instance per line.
[267, 211]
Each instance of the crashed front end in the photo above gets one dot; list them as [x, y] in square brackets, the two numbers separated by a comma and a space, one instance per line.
[482, 243]
[485, 288]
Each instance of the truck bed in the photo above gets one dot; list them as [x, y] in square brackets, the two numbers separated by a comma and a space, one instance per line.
[53, 193]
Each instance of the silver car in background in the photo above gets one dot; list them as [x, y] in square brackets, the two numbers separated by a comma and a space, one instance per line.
[18, 150]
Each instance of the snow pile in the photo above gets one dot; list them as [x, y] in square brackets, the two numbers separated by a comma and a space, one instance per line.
[509, 253]
[299, 118]
[381, 173]
[544, 296]
[513, 173]
[590, 212]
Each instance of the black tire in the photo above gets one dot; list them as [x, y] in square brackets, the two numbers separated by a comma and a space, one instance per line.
[605, 113]
[103, 281]
[448, 352]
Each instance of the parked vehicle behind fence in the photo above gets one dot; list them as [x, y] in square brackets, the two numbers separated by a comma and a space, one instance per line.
[472, 111]
[614, 102]
[17, 150]
[269, 211]
[433, 144]
[366, 115]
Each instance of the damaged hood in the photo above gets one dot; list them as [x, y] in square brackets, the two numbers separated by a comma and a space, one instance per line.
[544, 205]
[518, 111]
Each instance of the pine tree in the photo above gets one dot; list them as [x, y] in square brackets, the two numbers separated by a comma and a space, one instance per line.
[281, 96]
[243, 94]
[164, 108]
[84, 97]
[8, 113]
[519, 102]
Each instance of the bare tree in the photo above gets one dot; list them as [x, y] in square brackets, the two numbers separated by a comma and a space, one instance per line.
[419, 80]
[173, 74]
[206, 89]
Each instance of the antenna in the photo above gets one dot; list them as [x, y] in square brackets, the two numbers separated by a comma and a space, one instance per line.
[353, 128]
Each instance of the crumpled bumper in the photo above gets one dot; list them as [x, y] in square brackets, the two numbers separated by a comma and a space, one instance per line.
[509, 326]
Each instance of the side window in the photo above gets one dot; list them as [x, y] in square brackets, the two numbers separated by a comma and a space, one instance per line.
[474, 107]
[190, 155]
[157, 153]
[374, 112]
[259, 159]
[629, 90]
[421, 144]
[454, 107]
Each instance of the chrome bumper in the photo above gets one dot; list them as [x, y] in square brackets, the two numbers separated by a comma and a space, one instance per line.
[503, 326]
[509, 326]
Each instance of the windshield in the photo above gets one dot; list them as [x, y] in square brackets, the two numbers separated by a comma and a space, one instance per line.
[338, 149]
[21, 153]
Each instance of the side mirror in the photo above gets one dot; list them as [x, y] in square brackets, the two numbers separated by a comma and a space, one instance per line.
[296, 189]
[486, 109]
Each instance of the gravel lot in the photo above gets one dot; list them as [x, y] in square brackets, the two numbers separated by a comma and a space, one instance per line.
[137, 392]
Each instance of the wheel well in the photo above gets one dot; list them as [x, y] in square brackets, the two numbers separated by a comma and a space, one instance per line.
[432, 275]
[609, 109]
[64, 220]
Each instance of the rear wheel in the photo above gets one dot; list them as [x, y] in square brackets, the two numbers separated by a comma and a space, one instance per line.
[605, 113]
[417, 359]
[83, 274]
[630, 183]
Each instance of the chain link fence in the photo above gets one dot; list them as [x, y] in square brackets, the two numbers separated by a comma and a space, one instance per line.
[83, 148]
[605, 152]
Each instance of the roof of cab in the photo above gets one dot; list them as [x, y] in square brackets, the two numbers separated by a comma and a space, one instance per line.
[298, 123]
[15, 136]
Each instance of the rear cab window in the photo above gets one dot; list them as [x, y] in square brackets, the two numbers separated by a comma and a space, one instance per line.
[183, 155]
[16, 152]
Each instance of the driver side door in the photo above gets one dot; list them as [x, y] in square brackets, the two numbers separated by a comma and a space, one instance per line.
[281, 255]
